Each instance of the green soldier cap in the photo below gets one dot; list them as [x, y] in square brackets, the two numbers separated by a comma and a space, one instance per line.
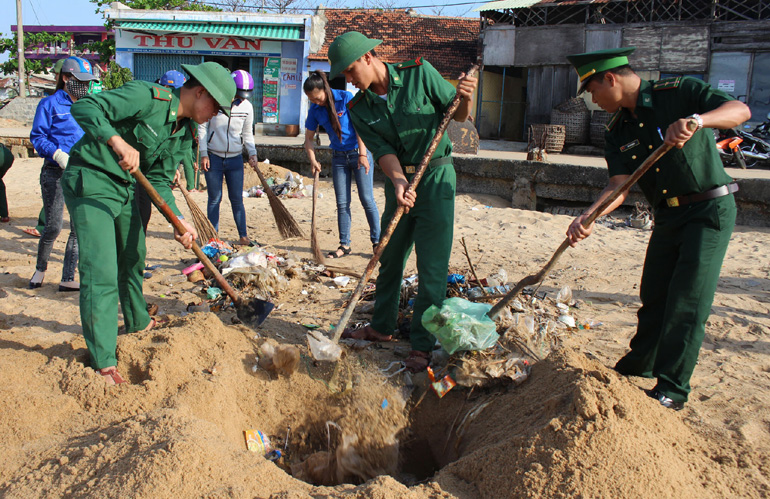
[347, 49]
[216, 80]
[590, 63]
[57, 66]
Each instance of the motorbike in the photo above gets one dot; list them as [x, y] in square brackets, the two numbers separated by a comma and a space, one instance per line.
[742, 149]
[763, 130]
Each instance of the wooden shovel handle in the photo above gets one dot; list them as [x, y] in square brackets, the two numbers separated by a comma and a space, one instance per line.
[164, 208]
[385, 237]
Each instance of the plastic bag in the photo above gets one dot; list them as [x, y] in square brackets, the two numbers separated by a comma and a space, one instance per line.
[461, 325]
[322, 348]
[254, 258]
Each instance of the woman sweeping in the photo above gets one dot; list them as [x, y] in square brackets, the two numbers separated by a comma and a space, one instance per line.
[54, 132]
[350, 158]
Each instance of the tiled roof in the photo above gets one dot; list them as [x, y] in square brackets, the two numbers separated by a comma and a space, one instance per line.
[449, 43]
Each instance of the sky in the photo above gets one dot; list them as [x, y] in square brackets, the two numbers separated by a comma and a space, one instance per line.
[82, 12]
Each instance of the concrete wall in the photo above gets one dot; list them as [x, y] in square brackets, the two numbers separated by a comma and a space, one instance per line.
[22, 110]
[529, 185]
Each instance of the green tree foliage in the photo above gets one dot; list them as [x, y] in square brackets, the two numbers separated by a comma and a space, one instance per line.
[31, 40]
[115, 76]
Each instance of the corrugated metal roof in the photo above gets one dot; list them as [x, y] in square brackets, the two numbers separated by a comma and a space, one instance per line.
[275, 32]
[507, 4]
[524, 4]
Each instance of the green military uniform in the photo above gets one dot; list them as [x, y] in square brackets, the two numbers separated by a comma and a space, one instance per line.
[6, 160]
[690, 239]
[99, 196]
[404, 125]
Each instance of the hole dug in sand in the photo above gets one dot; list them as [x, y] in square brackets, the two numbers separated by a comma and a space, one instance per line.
[574, 428]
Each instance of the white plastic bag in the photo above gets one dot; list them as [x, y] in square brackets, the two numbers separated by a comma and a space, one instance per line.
[322, 348]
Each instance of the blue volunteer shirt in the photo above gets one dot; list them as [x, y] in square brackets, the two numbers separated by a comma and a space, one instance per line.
[318, 115]
[54, 127]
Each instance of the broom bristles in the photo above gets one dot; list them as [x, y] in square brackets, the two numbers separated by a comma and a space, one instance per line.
[201, 222]
[317, 255]
[287, 226]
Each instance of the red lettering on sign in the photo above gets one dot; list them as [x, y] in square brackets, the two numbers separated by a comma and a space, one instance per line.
[185, 42]
[254, 44]
[231, 43]
[142, 39]
[169, 41]
[212, 42]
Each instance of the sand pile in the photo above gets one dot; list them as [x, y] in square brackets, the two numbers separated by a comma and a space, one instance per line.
[178, 426]
[574, 428]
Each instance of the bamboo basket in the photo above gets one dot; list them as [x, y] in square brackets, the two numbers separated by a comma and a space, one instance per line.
[552, 134]
[598, 121]
[575, 117]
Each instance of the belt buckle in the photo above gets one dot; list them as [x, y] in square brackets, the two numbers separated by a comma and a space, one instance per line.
[672, 202]
[409, 169]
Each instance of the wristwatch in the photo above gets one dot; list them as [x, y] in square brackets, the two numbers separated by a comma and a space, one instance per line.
[696, 117]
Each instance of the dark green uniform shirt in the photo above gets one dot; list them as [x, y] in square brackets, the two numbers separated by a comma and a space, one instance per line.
[629, 140]
[404, 124]
[144, 115]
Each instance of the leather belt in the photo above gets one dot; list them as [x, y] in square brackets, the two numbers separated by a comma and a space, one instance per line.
[717, 192]
[446, 160]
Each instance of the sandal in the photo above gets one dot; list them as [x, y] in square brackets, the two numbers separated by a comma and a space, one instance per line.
[336, 254]
[417, 361]
[5, 220]
[32, 232]
[111, 376]
[365, 333]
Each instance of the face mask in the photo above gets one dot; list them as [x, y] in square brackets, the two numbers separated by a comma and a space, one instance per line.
[77, 89]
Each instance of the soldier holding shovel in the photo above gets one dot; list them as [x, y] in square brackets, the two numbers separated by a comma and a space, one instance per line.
[692, 200]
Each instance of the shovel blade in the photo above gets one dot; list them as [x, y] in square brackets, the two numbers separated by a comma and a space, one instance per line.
[254, 311]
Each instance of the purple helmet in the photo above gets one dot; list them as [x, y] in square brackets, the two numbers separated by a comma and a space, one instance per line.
[244, 84]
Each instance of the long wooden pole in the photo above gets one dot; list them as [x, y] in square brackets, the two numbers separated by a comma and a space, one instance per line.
[20, 48]
[384, 238]
[631, 180]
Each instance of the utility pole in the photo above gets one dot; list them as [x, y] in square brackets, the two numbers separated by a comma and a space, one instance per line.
[20, 38]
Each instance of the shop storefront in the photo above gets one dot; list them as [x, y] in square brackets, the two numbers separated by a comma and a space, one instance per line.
[273, 48]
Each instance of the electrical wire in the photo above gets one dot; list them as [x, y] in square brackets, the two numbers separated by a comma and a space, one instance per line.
[343, 9]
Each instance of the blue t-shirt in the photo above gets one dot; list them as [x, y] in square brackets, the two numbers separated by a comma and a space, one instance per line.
[318, 115]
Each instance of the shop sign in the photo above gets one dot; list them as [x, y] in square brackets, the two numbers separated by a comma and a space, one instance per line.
[130, 41]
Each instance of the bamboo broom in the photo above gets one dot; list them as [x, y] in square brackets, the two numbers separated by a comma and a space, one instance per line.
[317, 255]
[202, 224]
[287, 226]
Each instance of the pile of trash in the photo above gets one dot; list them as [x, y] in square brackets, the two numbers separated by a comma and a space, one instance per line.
[252, 270]
[290, 186]
[473, 350]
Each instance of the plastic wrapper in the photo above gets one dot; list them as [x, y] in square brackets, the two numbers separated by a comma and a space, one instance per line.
[460, 325]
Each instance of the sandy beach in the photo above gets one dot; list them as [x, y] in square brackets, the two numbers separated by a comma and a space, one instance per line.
[574, 428]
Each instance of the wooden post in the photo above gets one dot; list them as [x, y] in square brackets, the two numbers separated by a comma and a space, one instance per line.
[20, 38]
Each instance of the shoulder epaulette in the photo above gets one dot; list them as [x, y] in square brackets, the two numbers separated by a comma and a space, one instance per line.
[613, 120]
[410, 64]
[161, 93]
[355, 100]
[667, 83]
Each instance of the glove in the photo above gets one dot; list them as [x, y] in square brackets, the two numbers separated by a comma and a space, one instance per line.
[61, 157]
